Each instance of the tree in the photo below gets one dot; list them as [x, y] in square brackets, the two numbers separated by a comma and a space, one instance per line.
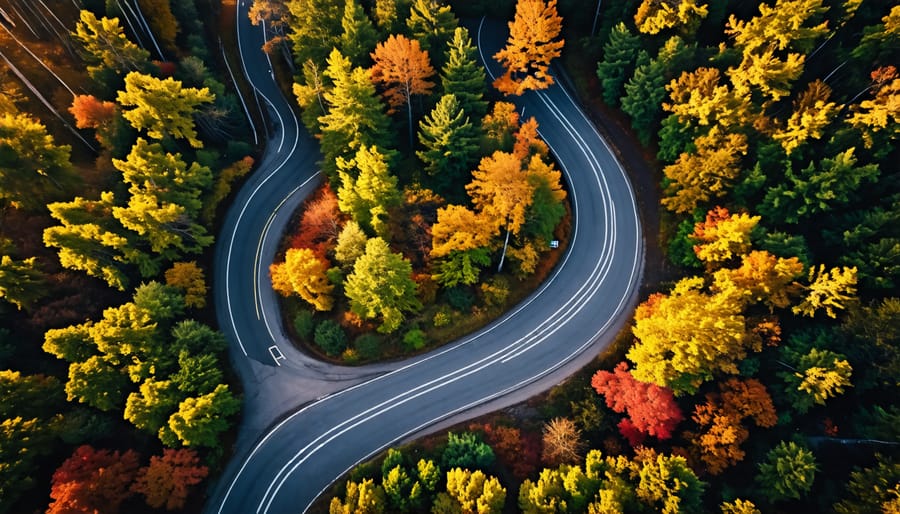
[872, 489]
[450, 144]
[466, 451]
[403, 69]
[431, 23]
[472, 491]
[788, 471]
[831, 290]
[381, 285]
[762, 278]
[162, 107]
[303, 273]
[562, 442]
[530, 48]
[315, 28]
[190, 279]
[739, 506]
[389, 14]
[361, 498]
[462, 76]
[149, 408]
[816, 376]
[619, 56]
[319, 224]
[330, 337]
[654, 16]
[651, 409]
[32, 165]
[358, 37]
[500, 126]
[96, 382]
[23, 443]
[351, 244]
[368, 189]
[879, 113]
[166, 481]
[668, 485]
[355, 115]
[699, 98]
[813, 113]
[501, 191]
[699, 177]
[107, 47]
[92, 481]
[200, 421]
[723, 236]
[22, 283]
[688, 336]
[162, 22]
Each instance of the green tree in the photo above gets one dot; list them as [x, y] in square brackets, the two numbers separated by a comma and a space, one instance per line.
[788, 471]
[368, 189]
[351, 244]
[330, 336]
[451, 144]
[96, 382]
[816, 376]
[617, 66]
[32, 166]
[358, 37]
[149, 408]
[872, 489]
[381, 285]
[106, 47]
[315, 28]
[669, 486]
[162, 106]
[467, 451]
[432, 23]
[355, 117]
[22, 283]
[389, 15]
[463, 76]
[23, 442]
[201, 420]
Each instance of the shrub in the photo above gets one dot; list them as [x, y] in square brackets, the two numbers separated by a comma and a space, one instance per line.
[495, 291]
[441, 318]
[304, 324]
[331, 337]
[460, 298]
[368, 346]
[414, 340]
[466, 451]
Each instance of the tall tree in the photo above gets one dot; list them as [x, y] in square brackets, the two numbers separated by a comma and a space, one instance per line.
[872, 489]
[315, 28]
[530, 48]
[654, 16]
[162, 107]
[788, 471]
[451, 143]
[92, 481]
[619, 57]
[403, 69]
[190, 279]
[463, 76]
[762, 278]
[381, 285]
[813, 113]
[32, 165]
[358, 37]
[432, 24]
[368, 189]
[878, 115]
[106, 46]
[303, 273]
[22, 283]
[166, 481]
[389, 15]
[500, 190]
[723, 236]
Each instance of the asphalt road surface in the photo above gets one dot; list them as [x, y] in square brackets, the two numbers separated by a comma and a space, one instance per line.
[306, 423]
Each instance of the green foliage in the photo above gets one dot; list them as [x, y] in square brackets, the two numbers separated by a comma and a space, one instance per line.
[788, 471]
[460, 298]
[461, 268]
[816, 376]
[368, 189]
[200, 420]
[330, 337]
[315, 28]
[681, 246]
[107, 48]
[414, 339]
[351, 244]
[466, 451]
[432, 24]
[361, 498]
[381, 285]
[463, 76]
[450, 144]
[21, 282]
[33, 168]
[495, 291]
[545, 212]
[670, 486]
[162, 107]
[872, 489]
[367, 346]
[617, 66]
[304, 324]
[358, 36]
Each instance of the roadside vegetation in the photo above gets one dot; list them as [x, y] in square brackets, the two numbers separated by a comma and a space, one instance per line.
[763, 378]
[116, 149]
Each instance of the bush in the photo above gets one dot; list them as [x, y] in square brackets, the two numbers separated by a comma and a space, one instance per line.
[350, 356]
[331, 338]
[304, 324]
[460, 298]
[495, 291]
[466, 451]
[414, 340]
[368, 346]
[441, 318]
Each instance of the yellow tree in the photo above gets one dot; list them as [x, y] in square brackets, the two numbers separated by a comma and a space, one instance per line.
[304, 274]
[654, 16]
[530, 48]
[723, 236]
[459, 229]
[881, 112]
[188, 277]
[830, 290]
[698, 96]
[812, 114]
[688, 336]
[162, 107]
[403, 69]
[706, 174]
[762, 278]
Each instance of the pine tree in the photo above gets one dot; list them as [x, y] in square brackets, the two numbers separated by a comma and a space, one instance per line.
[619, 57]
[432, 23]
[368, 189]
[788, 471]
[162, 107]
[107, 47]
[32, 166]
[463, 76]
[451, 143]
[22, 283]
[315, 28]
[358, 37]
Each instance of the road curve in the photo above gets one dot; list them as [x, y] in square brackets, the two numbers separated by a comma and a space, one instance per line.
[306, 423]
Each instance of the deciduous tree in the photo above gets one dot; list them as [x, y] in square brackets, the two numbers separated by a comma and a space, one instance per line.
[562, 442]
[303, 273]
[472, 491]
[654, 16]
[361, 498]
[381, 285]
[107, 47]
[723, 236]
[668, 485]
[813, 113]
[831, 290]
[530, 48]
[22, 283]
[762, 278]
[818, 375]
[403, 69]
[92, 481]
[201, 420]
[189, 278]
[788, 471]
[167, 480]
[500, 190]
[351, 244]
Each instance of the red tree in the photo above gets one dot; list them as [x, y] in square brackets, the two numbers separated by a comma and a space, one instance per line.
[651, 409]
[92, 481]
[167, 480]
[91, 112]
[320, 224]
[521, 453]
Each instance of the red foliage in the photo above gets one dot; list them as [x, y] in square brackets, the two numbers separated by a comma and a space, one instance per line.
[166, 68]
[630, 432]
[92, 481]
[91, 112]
[519, 452]
[651, 409]
[167, 480]
[319, 224]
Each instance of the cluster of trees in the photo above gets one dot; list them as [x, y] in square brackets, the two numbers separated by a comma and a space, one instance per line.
[145, 195]
[404, 222]
[765, 378]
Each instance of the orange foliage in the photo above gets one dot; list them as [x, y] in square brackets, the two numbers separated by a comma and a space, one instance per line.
[91, 112]
[519, 452]
[92, 481]
[530, 47]
[528, 142]
[403, 68]
[320, 224]
[166, 481]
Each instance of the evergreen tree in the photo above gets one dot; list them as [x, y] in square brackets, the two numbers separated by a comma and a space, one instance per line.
[368, 190]
[315, 28]
[381, 285]
[619, 56]
[22, 283]
[358, 37]
[451, 143]
[432, 23]
[788, 471]
[32, 165]
[463, 76]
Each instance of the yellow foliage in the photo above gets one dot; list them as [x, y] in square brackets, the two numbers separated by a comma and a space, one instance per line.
[722, 236]
[188, 277]
[761, 277]
[830, 290]
[458, 228]
[812, 113]
[654, 16]
[304, 274]
[530, 47]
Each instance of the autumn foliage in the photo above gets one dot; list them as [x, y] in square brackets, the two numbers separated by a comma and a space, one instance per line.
[166, 481]
[320, 224]
[403, 69]
[650, 409]
[92, 481]
[530, 48]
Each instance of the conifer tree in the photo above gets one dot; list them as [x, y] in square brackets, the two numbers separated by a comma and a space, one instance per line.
[619, 56]
[162, 107]
[451, 143]
[463, 76]
[788, 471]
[32, 165]
[368, 189]
[432, 23]
[358, 37]
[315, 28]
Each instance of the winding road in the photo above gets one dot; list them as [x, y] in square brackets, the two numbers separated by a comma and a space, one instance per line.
[306, 423]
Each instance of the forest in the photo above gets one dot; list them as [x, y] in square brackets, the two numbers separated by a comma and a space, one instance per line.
[758, 374]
